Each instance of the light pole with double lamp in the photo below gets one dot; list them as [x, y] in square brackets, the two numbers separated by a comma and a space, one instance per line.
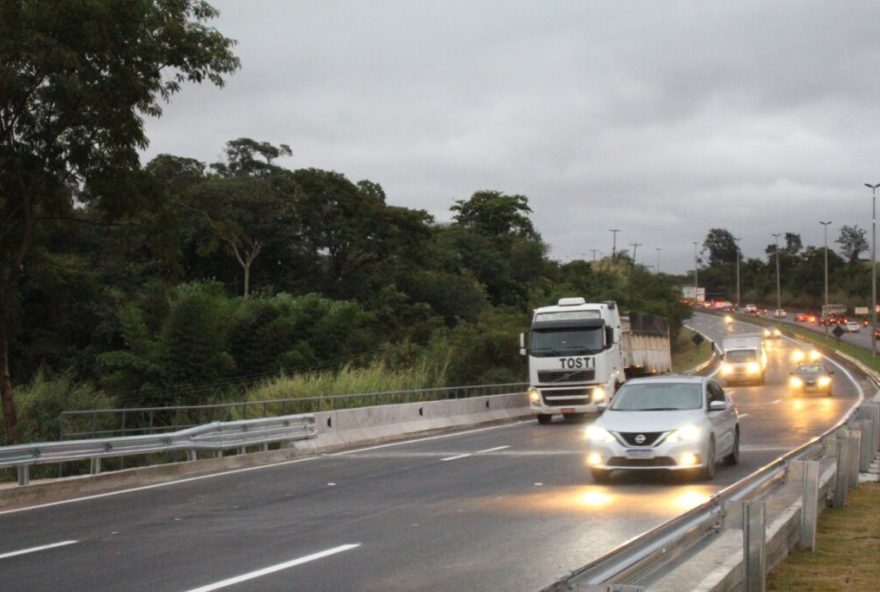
[873, 265]
[825, 225]
[776, 236]
[738, 257]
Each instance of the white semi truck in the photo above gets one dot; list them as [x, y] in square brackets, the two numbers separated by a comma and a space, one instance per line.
[580, 352]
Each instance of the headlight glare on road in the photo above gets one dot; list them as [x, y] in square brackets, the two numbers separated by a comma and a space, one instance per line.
[534, 395]
[595, 433]
[795, 382]
[753, 368]
[824, 381]
[598, 394]
[688, 433]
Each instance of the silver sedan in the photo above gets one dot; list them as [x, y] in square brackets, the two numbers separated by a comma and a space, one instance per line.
[670, 422]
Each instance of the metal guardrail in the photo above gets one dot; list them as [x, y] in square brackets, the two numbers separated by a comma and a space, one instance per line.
[647, 552]
[215, 436]
[95, 423]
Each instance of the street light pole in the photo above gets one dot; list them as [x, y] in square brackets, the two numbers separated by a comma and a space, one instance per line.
[594, 254]
[873, 265]
[657, 269]
[635, 247]
[695, 272]
[776, 236]
[825, 225]
[614, 232]
[738, 257]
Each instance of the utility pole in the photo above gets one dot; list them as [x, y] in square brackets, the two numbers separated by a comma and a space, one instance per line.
[695, 272]
[776, 236]
[635, 247]
[738, 257]
[657, 269]
[873, 265]
[614, 232]
[594, 254]
[825, 225]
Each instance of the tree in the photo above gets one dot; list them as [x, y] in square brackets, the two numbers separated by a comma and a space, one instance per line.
[793, 244]
[721, 246]
[852, 242]
[496, 214]
[76, 80]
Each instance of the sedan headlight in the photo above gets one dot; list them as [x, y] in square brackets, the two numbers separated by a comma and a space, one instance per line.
[595, 433]
[824, 381]
[726, 369]
[795, 382]
[688, 433]
[753, 368]
[815, 356]
[534, 395]
[797, 356]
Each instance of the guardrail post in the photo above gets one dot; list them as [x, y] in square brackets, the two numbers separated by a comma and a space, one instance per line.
[191, 454]
[866, 453]
[841, 476]
[855, 438]
[810, 504]
[95, 465]
[24, 474]
[754, 547]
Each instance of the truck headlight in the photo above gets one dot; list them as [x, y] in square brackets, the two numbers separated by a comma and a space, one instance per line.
[824, 381]
[795, 382]
[598, 394]
[595, 433]
[688, 433]
[797, 356]
[534, 395]
[753, 368]
[726, 369]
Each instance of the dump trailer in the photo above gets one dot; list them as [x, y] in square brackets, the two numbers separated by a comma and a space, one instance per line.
[580, 353]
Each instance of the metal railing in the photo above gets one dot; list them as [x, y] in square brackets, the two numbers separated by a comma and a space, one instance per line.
[216, 437]
[649, 552]
[96, 423]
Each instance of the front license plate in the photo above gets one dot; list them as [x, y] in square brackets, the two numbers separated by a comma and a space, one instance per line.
[568, 410]
[639, 453]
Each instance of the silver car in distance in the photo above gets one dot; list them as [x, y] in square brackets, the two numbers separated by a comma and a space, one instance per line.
[679, 423]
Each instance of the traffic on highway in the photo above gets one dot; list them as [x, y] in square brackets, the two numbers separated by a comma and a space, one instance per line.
[511, 506]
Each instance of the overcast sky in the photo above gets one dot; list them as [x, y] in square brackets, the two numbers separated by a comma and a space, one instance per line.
[662, 119]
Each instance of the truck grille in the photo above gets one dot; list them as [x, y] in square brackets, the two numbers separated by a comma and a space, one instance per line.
[565, 375]
[567, 397]
[650, 438]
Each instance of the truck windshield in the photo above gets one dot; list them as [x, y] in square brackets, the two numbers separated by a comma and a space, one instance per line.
[667, 396]
[567, 342]
[740, 356]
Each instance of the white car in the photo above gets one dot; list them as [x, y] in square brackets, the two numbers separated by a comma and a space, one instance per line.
[677, 423]
[750, 309]
[780, 313]
[853, 326]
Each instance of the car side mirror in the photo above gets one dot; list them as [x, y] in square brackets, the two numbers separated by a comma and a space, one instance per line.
[717, 406]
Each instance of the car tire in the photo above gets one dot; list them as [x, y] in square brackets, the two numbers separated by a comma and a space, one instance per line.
[707, 473]
[544, 418]
[733, 458]
[600, 476]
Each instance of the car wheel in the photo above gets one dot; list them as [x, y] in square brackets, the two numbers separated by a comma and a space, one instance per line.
[600, 476]
[708, 472]
[733, 458]
[544, 418]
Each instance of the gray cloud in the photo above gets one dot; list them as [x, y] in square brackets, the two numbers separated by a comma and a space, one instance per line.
[664, 119]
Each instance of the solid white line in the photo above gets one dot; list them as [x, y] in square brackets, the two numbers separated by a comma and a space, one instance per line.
[492, 449]
[776, 402]
[273, 568]
[245, 470]
[455, 457]
[35, 549]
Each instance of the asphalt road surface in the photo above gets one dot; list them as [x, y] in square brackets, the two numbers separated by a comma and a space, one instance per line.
[509, 507]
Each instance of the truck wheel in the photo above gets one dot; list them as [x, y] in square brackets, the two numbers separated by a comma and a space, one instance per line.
[544, 418]
[600, 476]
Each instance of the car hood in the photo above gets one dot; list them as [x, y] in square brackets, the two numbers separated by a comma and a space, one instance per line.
[648, 421]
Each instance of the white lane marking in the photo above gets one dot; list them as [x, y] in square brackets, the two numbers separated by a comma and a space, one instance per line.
[741, 415]
[745, 448]
[492, 449]
[455, 457]
[776, 402]
[36, 549]
[274, 568]
[247, 469]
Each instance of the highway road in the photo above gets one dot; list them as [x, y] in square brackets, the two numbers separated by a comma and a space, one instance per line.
[507, 507]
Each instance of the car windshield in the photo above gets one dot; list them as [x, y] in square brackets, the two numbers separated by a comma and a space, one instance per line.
[663, 396]
[740, 356]
[567, 342]
[810, 369]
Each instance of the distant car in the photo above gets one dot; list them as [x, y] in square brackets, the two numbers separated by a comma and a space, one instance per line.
[853, 326]
[801, 317]
[676, 423]
[779, 313]
[750, 309]
[812, 377]
[773, 333]
[876, 333]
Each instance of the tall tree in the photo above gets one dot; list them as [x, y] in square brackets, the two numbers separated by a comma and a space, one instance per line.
[721, 246]
[76, 79]
[496, 214]
[852, 242]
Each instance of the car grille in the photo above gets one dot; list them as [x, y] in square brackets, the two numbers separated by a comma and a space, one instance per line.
[650, 438]
[566, 375]
[660, 461]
